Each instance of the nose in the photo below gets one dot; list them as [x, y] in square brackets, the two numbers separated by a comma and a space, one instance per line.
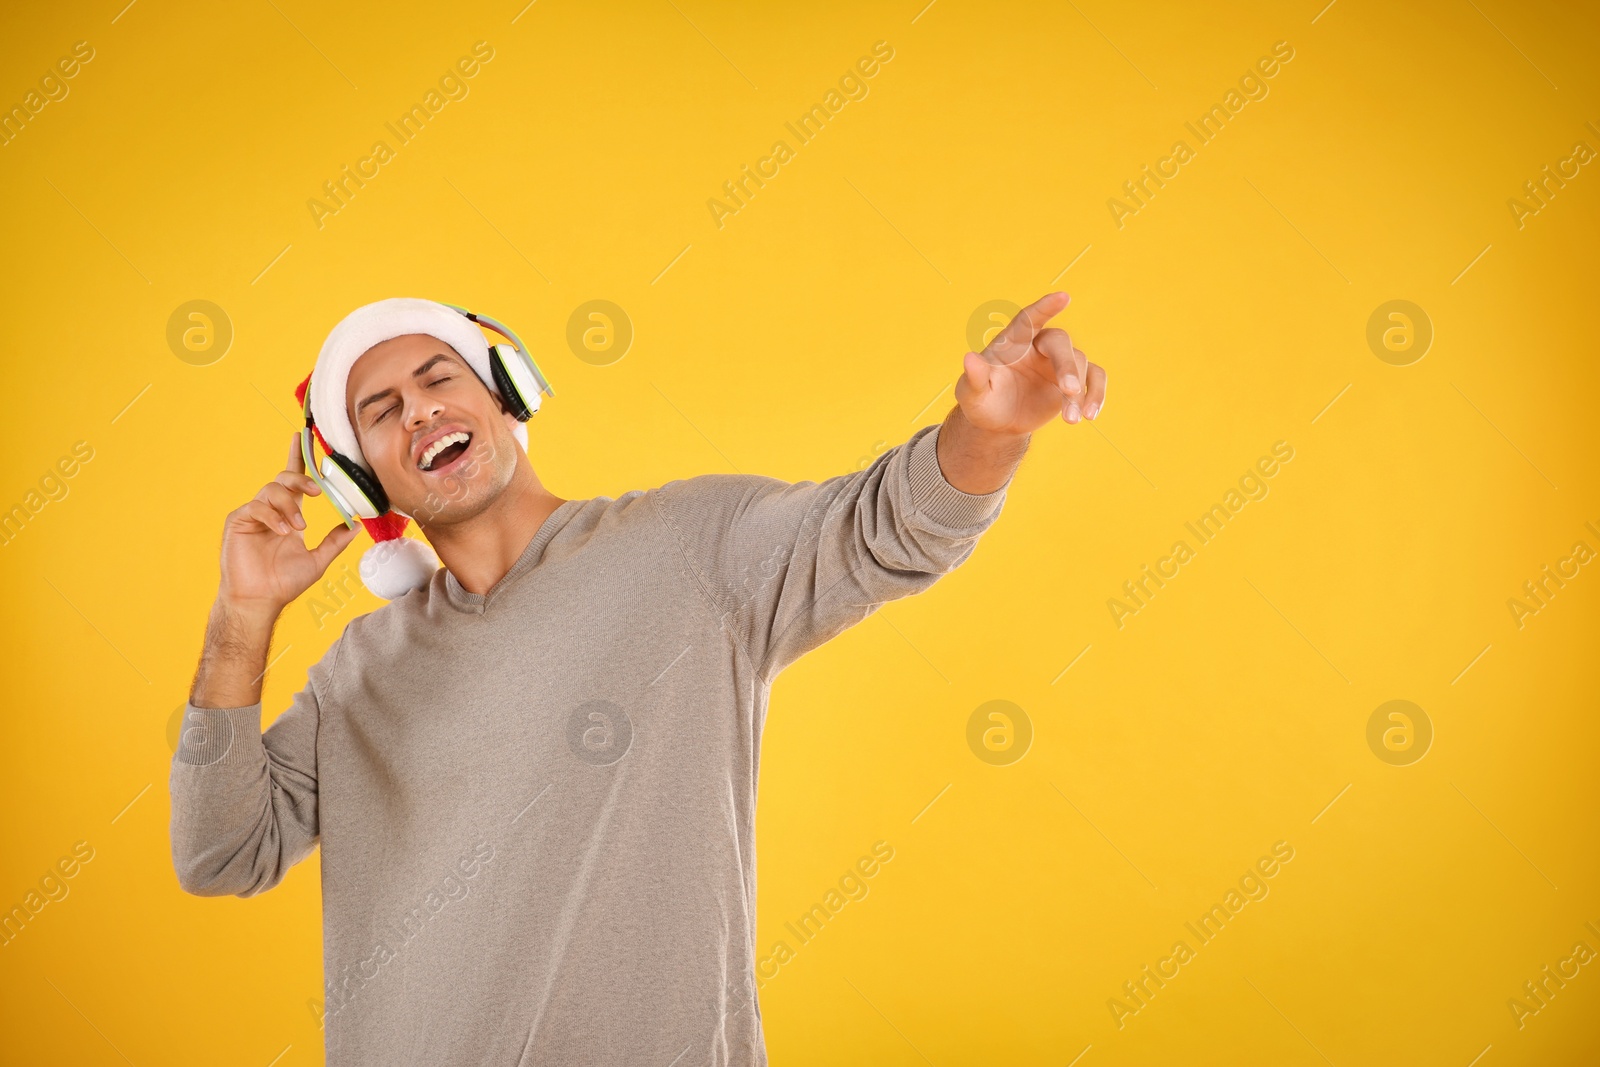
[422, 409]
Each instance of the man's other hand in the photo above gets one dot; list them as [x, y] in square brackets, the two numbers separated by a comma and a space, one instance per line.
[1029, 374]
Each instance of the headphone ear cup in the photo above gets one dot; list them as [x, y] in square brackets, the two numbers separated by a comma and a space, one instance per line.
[358, 487]
[520, 390]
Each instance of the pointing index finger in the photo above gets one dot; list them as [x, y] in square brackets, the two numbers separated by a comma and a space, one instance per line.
[297, 463]
[1012, 343]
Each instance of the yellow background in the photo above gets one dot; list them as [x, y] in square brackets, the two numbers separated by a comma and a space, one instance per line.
[814, 327]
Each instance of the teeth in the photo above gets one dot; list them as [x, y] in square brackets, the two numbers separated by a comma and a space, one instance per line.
[440, 445]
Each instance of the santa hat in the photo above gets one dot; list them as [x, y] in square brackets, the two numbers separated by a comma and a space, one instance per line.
[395, 564]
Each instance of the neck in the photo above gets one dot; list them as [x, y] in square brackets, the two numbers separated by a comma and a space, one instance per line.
[480, 550]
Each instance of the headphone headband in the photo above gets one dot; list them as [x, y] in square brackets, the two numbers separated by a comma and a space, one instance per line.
[509, 335]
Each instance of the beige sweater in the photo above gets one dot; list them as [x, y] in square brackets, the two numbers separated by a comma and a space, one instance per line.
[536, 806]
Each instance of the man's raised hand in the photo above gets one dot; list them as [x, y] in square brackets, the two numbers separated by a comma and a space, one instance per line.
[265, 561]
[1029, 374]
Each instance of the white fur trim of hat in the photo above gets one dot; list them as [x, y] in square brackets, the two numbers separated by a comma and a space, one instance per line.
[371, 325]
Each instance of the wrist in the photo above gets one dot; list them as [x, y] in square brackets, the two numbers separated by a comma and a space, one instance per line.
[975, 460]
[976, 440]
[962, 425]
[245, 618]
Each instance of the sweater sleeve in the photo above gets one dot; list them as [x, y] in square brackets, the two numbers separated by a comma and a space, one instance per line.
[244, 803]
[790, 566]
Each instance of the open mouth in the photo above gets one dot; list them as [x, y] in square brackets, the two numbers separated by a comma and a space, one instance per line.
[445, 451]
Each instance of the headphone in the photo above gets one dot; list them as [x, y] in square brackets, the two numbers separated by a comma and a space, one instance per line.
[355, 494]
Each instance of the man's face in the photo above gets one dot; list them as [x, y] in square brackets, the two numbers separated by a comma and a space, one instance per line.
[438, 440]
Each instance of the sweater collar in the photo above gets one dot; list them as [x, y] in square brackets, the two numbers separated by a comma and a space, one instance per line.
[477, 603]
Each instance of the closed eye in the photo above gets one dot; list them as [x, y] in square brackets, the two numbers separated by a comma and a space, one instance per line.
[392, 408]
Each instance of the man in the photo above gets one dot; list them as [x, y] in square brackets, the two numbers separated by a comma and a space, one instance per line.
[533, 778]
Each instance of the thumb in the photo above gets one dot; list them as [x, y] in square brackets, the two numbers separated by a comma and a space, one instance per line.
[978, 371]
[337, 540]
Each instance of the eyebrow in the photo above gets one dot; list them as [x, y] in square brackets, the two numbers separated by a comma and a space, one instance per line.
[386, 393]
